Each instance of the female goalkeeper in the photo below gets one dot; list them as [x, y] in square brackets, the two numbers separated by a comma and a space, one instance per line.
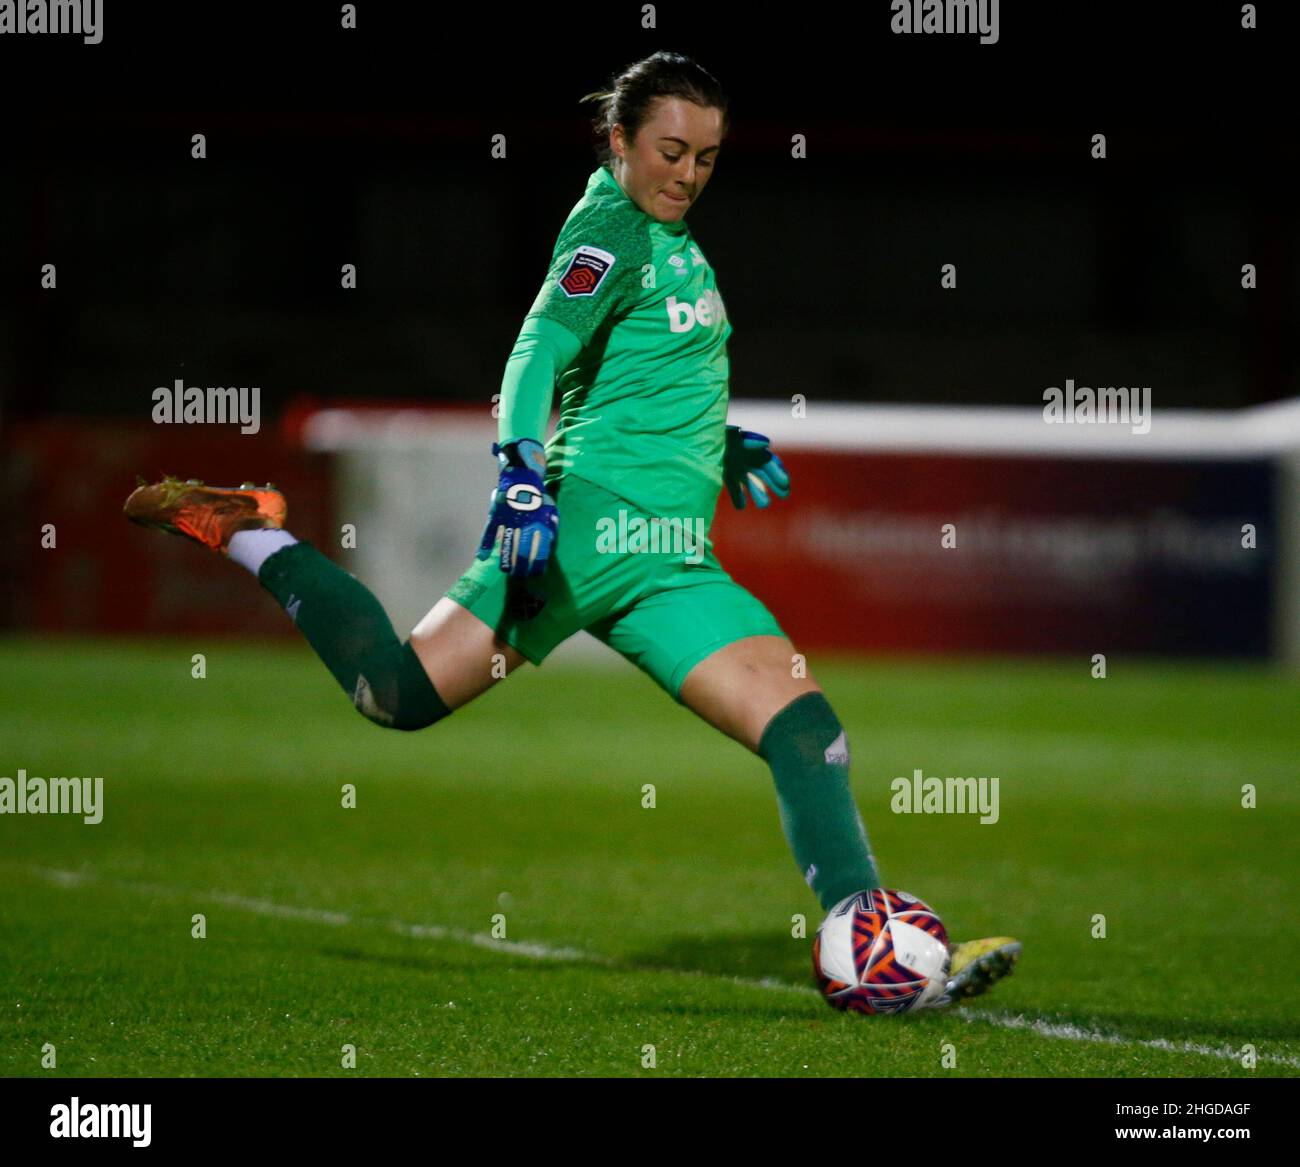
[629, 324]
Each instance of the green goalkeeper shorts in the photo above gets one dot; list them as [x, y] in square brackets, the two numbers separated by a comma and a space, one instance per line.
[651, 589]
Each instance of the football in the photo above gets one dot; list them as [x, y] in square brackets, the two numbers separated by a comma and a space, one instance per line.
[881, 951]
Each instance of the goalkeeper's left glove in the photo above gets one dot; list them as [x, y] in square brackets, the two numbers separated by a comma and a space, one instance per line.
[749, 461]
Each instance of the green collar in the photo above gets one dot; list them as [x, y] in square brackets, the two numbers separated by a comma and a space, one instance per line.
[605, 175]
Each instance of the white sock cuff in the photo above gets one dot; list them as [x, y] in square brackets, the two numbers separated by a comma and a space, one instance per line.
[253, 548]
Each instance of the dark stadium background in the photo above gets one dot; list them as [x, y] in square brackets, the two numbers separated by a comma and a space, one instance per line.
[372, 147]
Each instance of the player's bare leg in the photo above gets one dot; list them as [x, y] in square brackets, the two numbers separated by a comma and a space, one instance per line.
[752, 691]
[462, 656]
[742, 686]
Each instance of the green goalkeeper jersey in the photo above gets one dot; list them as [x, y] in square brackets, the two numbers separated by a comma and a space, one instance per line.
[630, 325]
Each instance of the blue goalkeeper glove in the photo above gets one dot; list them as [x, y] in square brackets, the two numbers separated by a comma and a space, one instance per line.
[523, 515]
[749, 461]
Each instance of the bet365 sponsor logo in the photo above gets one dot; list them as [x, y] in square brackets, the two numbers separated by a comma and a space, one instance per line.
[684, 315]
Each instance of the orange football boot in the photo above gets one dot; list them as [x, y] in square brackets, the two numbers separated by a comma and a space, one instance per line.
[207, 514]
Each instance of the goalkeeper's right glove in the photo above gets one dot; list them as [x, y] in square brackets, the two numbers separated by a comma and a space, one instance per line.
[749, 461]
[523, 515]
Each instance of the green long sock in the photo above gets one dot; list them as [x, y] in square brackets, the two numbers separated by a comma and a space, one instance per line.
[352, 634]
[806, 747]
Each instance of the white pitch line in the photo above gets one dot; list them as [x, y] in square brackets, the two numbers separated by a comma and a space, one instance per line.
[320, 916]
[1069, 1032]
[1061, 1031]
[483, 940]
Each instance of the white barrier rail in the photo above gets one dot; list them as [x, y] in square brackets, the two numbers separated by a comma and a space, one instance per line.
[444, 452]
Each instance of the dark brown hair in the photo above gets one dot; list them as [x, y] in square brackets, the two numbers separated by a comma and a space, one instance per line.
[629, 95]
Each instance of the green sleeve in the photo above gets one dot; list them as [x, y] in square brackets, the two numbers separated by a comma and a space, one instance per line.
[543, 350]
[596, 269]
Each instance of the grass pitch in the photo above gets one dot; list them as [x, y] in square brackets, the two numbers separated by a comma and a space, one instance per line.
[626, 927]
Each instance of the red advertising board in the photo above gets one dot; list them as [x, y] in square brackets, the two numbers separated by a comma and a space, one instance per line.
[950, 553]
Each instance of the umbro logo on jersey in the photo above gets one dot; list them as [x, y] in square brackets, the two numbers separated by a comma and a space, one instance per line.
[586, 271]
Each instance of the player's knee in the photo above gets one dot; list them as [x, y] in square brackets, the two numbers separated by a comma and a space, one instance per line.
[400, 714]
[393, 691]
[806, 729]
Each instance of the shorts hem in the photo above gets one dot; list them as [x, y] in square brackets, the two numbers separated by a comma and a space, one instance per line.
[684, 666]
[510, 637]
